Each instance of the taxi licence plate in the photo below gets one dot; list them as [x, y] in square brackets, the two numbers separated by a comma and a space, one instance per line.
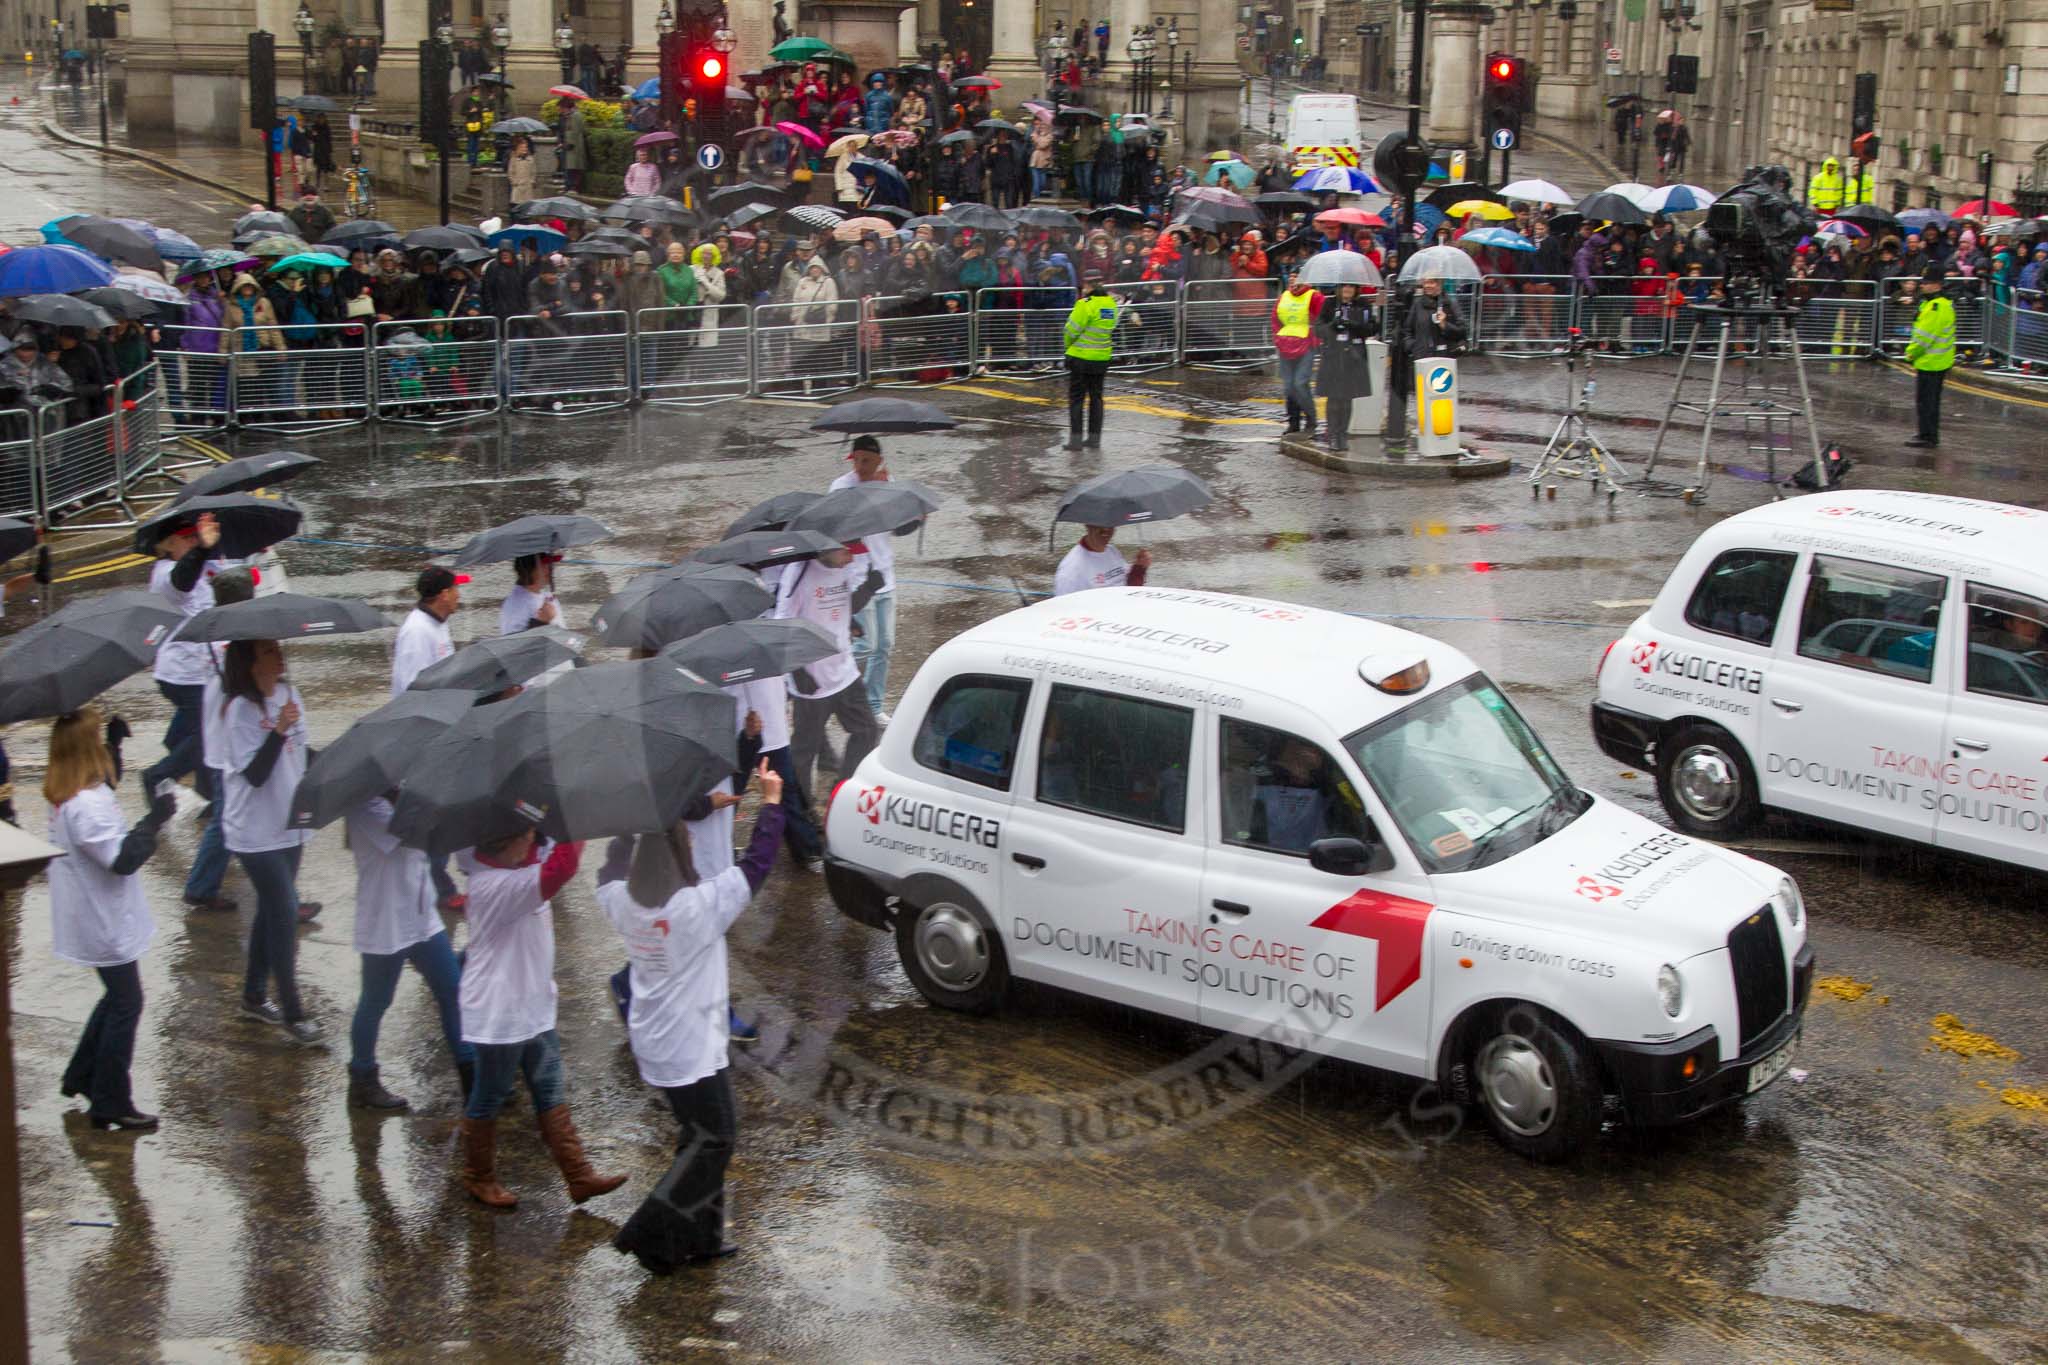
[1771, 1067]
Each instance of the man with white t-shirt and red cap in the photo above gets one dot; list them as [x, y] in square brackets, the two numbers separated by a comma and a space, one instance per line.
[1095, 563]
[877, 620]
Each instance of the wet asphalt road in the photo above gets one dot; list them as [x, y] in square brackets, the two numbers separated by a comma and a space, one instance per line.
[1886, 1206]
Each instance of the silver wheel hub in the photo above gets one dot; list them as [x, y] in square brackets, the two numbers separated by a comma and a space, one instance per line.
[1519, 1088]
[1706, 782]
[951, 946]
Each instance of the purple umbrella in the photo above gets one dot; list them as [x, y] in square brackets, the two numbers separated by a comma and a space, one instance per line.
[654, 139]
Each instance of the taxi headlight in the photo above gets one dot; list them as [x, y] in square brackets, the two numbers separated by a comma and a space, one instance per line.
[1790, 902]
[1671, 989]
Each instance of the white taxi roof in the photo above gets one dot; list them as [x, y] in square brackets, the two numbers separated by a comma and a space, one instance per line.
[1925, 530]
[1222, 645]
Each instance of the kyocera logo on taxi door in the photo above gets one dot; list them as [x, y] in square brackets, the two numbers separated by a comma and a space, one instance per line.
[1647, 657]
[926, 817]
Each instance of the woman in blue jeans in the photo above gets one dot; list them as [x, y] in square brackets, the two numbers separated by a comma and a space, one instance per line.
[396, 923]
[263, 755]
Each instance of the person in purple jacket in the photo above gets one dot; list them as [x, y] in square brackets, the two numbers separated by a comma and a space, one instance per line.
[200, 332]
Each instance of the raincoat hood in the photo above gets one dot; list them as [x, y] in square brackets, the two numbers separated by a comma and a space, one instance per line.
[1830, 164]
[243, 277]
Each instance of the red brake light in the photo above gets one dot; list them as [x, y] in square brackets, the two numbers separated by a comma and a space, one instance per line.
[833, 797]
[1603, 659]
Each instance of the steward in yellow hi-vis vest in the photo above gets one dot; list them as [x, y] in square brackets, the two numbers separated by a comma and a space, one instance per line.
[1091, 329]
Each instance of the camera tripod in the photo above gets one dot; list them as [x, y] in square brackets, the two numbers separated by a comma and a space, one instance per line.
[1574, 451]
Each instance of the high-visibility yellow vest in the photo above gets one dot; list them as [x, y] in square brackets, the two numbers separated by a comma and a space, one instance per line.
[1933, 343]
[1293, 312]
[1089, 327]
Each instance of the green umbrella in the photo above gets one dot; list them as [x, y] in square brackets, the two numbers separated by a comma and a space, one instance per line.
[309, 260]
[276, 244]
[807, 49]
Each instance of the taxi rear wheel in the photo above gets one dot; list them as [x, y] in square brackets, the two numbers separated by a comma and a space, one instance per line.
[951, 952]
[1706, 782]
[1538, 1084]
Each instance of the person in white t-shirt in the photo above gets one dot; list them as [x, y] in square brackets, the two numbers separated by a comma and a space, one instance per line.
[262, 748]
[396, 924]
[877, 620]
[210, 862]
[422, 641]
[187, 561]
[673, 921]
[99, 917]
[829, 591]
[532, 599]
[508, 1011]
[1095, 563]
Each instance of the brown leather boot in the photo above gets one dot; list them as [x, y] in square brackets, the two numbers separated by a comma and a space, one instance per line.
[480, 1164]
[560, 1135]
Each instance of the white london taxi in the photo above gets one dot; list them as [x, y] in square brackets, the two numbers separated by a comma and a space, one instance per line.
[1291, 823]
[1876, 658]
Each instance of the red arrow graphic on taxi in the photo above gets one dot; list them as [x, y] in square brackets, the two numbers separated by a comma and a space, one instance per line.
[1396, 924]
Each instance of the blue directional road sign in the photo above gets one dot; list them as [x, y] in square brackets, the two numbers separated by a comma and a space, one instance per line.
[1503, 139]
[711, 156]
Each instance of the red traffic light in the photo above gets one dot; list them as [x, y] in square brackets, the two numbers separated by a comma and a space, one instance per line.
[711, 68]
[1503, 69]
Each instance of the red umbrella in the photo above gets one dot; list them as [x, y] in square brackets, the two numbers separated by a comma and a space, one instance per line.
[654, 139]
[1978, 208]
[1351, 218]
[568, 92]
[800, 133]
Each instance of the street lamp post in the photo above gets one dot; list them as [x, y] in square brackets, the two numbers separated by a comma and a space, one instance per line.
[1172, 51]
[501, 42]
[302, 22]
[1139, 49]
[565, 47]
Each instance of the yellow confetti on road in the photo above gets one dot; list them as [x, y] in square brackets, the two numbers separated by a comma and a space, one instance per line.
[1842, 987]
[1950, 1036]
[2033, 1101]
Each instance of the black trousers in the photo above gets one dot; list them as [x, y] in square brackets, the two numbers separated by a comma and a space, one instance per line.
[1927, 402]
[99, 1064]
[1337, 421]
[1084, 389]
[683, 1216]
[807, 729]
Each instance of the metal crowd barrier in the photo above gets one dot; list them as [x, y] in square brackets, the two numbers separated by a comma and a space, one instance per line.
[196, 378]
[2019, 330]
[1839, 322]
[1023, 330]
[807, 348]
[1515, 316]
[436, 374]
[20, 492]
[574, 364]
[320, 379]
[1228, 324]
[1899, 307]
[1629, 323]
[1148, 327]
[683, 356]
[916, 340]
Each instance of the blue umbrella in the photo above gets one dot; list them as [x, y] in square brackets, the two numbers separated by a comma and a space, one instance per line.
[543, 239]
[1916, 220]
[1235, 171]
[1429, 218]
[1505, 238]
[1336, 180]
[53, 231]
[174, 246]
[649, 89]
[51, 269]
[881, 170]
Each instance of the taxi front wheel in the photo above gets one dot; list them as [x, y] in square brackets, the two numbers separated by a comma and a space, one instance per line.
[951, 952]
[1538, 1084]
[1706, 782]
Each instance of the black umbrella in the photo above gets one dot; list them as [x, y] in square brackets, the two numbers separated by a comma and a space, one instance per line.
[646, 213]
[867, 509]
[764, 549]
[451, 237]
[1280, 201]
[357, 230]
[883, 415]
[59, 310]
[750, 213]
[996, 125]
[631, 240]
[818, 217]
[1148, 493]
[475, 255]
[374, 754]
[1566, 223]
[120, 303]
[1045, 216]
[675, 603]
[1204, 216]
[881, 170]
[532, 535]
[112, 240]
[1869, 215]
[1076, 113]
[741, 650]
[497, 662]
[63, 661]
[956, 137]
[729, 197]
[978, 216]
[554, 206]
[249, 525]
[930, 220]
[524, 127]
[618, 748]
[283, 616]
[660, 203]
[16, 537]
[1120, 212]
[261, 221]
[1611, 207]
[590, 246]
[251, 471]
[771, 514]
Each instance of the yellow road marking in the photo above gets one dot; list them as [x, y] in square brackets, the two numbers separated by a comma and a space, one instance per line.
[1116, 405]
[1972, 389]
[105, 566]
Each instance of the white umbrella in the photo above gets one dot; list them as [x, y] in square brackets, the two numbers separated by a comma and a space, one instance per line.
[1676, 199]
[1439, 263]
[1329, 269]
[1631, 191]
[1537, 192]
[150, 286]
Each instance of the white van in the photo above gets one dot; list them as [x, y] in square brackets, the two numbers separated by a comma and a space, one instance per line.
[1322, 130]
[1874, 658]
[1340, 836]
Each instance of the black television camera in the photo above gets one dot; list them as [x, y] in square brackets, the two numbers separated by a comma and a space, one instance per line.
[1755, 227]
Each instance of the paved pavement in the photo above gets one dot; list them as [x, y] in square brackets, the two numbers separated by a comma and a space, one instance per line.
[1882, 1206]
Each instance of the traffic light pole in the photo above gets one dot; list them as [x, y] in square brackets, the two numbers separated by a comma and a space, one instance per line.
[1416, 51]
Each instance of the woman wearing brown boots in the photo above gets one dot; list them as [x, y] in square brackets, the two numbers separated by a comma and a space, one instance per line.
[508, 1011]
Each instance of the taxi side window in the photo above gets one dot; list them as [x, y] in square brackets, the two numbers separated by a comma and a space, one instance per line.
[970, 729]
[1872, 616]
[1116, 756]
[1741, 594]
[1281, 792]
[2008, 644]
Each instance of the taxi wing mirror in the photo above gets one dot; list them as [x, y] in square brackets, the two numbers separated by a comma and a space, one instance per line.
[1351, 857]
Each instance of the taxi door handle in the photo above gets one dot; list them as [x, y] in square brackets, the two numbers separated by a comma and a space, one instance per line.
[1788, 706]
[1975, 746]
[1235, 909]
[1027, 860]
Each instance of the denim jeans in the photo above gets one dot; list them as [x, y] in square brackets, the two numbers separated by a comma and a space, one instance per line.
[799, 817]
[871, 651]
[210, 862]
[500, 1065]
[1295, 386]
[1039, 176]
[99, 1064]
[183, 747]
[274, 935]
[434, 960]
